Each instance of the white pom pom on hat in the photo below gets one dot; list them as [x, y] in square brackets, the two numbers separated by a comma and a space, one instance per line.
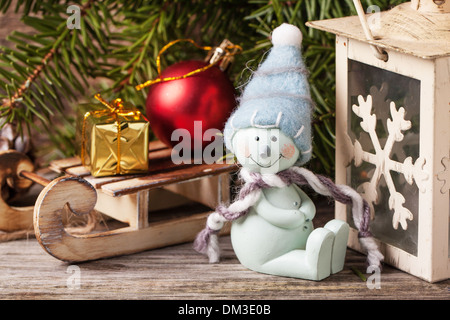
[287, 35]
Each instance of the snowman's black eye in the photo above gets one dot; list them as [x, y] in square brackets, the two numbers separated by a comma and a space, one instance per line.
[257, 138]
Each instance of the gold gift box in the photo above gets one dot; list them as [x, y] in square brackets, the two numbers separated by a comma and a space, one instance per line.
[114, 140]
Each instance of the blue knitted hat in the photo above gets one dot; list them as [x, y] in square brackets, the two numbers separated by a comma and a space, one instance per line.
[278, 94]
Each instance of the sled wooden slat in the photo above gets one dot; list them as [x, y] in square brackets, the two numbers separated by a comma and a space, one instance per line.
[80, 171]
[162, 171]
[61, 165]
[97, 183]
[164, 178]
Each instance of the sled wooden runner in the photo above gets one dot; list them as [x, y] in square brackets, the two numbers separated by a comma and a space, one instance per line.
[130, 200]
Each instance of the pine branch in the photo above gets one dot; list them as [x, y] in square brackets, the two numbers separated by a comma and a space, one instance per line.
[55, 62]
[119, 41]
[27, 6]
[9, 104]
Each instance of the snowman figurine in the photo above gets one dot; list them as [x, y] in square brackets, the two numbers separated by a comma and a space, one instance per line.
[277, 235]
[270, 134]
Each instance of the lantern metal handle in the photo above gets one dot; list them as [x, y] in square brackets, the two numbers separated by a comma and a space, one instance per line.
[378, 52]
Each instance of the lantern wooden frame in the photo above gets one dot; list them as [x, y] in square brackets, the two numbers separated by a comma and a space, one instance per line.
[432, 261]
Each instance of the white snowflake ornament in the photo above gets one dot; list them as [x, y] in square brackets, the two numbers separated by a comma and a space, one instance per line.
[384, 164]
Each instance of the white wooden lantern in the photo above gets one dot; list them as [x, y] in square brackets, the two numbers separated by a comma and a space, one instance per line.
[393, 129]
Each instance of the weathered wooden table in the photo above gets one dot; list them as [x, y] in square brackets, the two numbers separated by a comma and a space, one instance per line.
[178, 272]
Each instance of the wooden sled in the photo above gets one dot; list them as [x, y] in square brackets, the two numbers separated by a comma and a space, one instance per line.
[142, 203]
[13, 218]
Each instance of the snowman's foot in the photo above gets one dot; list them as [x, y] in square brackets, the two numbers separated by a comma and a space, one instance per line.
[319, 249]
[313, 263]
[341, 231]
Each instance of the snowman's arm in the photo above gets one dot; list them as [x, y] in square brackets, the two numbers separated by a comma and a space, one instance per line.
[307, 207]
[283, 218]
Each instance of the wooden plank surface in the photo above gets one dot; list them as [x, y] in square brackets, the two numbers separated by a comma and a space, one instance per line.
[178, 272]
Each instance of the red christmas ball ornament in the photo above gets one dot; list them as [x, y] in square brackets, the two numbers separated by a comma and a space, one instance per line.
[205, 100]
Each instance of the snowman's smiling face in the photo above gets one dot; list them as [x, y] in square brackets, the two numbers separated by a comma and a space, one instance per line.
[264, 150]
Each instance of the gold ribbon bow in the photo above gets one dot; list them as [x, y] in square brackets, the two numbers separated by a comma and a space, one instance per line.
[230, 50]
[114, 109]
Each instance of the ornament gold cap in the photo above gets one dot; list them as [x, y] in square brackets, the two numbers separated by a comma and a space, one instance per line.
[225, 52]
